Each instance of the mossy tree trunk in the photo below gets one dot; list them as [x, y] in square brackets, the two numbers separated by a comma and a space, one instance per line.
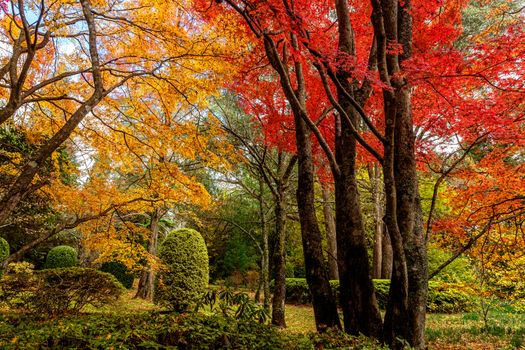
[329, 222]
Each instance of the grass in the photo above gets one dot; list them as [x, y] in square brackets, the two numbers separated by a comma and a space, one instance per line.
[504, 330]
[125, 305]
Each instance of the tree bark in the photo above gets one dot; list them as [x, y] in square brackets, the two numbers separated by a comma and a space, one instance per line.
[357, 294]
[265, 258]
[325, 310]
[331, 239]
[145, 288]
[405, 314]
[376, 191]
[410, 221]
[386, 260]
[279, 294]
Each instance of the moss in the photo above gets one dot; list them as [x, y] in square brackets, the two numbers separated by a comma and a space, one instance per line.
[186, 274]
[61, 256]
[4, 253]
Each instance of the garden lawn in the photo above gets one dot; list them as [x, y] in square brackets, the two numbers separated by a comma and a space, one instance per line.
[504, 330]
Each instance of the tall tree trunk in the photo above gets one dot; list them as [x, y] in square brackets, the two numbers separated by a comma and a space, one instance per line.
[358, 300]
[357, 294]
[331, 239]
[325, 309]
[405, 318]
[410, 221]
[376, 190]
[405, 315]
[265, 259]
[396, 316]
[145, 288]
[279, 295]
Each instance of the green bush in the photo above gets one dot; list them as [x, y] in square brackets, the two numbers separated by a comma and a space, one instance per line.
[58, 291]
[120, 271]
[144, 331]
[61, 256]
[186, 274]
[442, 297]
[4, 253]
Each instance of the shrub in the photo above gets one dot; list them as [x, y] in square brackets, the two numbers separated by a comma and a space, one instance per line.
[4, 253]
[120, 271]
[448, 298]
[144, 331]
[186, 275]
[61, 256]
[442, 297]
[58, 291]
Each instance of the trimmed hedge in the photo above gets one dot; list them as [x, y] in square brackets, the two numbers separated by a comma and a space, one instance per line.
[185, 278]
[442, 297]
[60, 257]
[4, 253]
[120, 271]
[58, 291]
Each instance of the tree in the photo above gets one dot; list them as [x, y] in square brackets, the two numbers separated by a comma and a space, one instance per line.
[97, 65]
[274, 168]
[146, 94]
[294, 38]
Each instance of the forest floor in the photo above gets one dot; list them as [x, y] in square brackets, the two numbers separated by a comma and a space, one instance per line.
[504, 329]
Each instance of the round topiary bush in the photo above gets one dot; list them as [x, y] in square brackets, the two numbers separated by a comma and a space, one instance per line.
[61, 256]
[186, 274]
[120, 271]
[4, 253]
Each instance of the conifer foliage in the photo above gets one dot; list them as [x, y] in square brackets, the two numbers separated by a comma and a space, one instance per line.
[185, 276]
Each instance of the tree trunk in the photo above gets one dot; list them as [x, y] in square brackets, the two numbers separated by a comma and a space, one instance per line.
[357, 294]
[279, 294]
[408, 290]
[265, 258]
[410, 221]
[331, 240]
[147, 277]
[376, 190]
[325, 309]
[386, 260]
[405, 314]
[396, 317]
